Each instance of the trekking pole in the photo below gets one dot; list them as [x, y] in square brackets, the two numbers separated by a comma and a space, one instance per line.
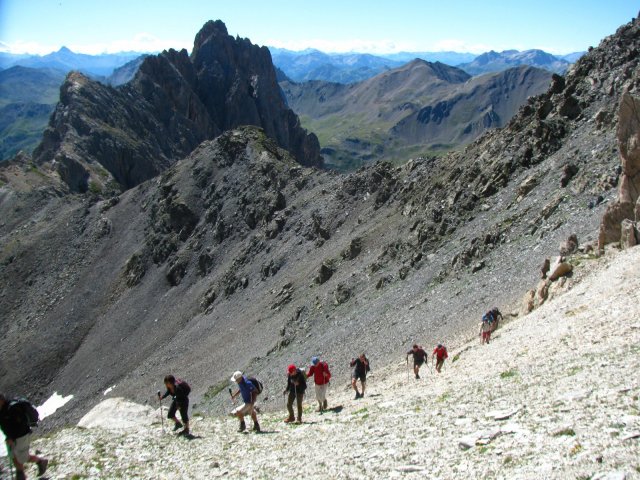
[233, 400]
[10, 456]
[161, 413]
[407, 358]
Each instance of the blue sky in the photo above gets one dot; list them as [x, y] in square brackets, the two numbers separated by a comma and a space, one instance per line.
[97, 26]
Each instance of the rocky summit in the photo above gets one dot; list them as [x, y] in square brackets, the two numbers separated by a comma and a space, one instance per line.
[108, 139]
[238, 257]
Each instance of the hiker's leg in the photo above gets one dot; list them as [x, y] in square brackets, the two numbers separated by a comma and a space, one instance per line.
[173, 408]
[363, 381]
[184, 414]
[354, 379]
[299, 398]
[290, 400]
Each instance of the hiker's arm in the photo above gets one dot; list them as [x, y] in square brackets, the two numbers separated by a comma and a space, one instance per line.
[166, 394]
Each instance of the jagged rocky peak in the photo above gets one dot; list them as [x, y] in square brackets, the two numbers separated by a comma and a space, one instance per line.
[104, 138]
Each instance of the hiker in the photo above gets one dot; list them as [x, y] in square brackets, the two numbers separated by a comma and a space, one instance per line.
[419, 357]
[296, 385]
[321, 377]
[486, 327]
[440, 352]
[495, 313]
[360, 367]
[14, 423]
[179, 391]
[249, 393]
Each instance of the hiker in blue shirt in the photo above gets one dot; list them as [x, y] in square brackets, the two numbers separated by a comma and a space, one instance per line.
[249, 394]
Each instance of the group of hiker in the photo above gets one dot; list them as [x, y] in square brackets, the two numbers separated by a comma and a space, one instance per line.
[489, 324]
[420, 357]
[17, 417]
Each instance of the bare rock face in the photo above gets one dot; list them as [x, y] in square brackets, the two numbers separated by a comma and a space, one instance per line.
[629, 143]
[628, 234]
[629, 193]
[102, 138]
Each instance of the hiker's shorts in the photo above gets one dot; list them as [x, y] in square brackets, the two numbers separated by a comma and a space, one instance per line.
[419, 363]
[359, 376]
[183, 407]
[321, 392]
[20, 448]
[244, 409]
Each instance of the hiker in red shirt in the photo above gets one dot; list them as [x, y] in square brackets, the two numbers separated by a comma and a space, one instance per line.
[440, 352]
[321, 377]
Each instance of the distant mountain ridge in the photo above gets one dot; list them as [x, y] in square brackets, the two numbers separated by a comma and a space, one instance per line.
[499, 61]
[66, 60]
[313, 64]
[409, 111]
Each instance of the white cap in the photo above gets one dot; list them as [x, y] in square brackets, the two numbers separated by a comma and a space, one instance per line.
[236, 376]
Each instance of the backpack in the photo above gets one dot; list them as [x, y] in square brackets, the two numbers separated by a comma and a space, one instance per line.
[257, 384]
[27, 409]
[183, 385]
[487, 317]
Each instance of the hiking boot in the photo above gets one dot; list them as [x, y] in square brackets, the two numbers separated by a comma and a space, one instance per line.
[289, 420]
[243, 427]
[42, 466]
[177, 426]
[357, 396]
[298, 421]
[417, 377]
[184, 433]
[324, 405]
[20, 475]
[256, 427]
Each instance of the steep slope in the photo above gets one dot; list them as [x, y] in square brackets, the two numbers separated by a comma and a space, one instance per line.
[410, 110]
[237, 257]
[498, 61]
[107, 138]
[550, 397]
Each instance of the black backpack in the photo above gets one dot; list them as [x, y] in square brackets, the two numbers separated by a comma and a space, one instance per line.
[184, 386]
[257, 384]
[25, 407]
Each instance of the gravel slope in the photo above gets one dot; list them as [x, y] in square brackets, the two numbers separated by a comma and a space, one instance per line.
[564, 376]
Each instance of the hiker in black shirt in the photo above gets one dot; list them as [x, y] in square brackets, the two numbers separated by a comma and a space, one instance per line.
[179, 391]
[419, 357]
[360, 368]
[16, 429]
[296, 386]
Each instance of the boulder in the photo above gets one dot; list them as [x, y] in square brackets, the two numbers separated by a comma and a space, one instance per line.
[560, 268]
[611, 220]
[570, 246]
[119, 414]
[528, 301]
[325, 272]
[628, 234]
[542, 292]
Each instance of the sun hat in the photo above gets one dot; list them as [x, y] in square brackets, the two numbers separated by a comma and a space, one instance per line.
[291, 369]
[315, 360]
[236, 376]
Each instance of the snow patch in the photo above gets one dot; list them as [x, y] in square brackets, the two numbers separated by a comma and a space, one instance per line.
[53, 403]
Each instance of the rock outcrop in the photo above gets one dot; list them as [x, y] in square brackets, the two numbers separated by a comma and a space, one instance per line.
[103, 138]
[625, 209]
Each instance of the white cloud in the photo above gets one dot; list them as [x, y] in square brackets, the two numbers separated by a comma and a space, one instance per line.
[141, 42]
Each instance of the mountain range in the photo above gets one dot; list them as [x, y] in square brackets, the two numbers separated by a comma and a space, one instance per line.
[65, 60]
[223, 252]
[408, 111]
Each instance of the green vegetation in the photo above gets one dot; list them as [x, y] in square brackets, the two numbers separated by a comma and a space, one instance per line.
[513, 372]
[455, 358]
[565, 431]
[214, 390]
